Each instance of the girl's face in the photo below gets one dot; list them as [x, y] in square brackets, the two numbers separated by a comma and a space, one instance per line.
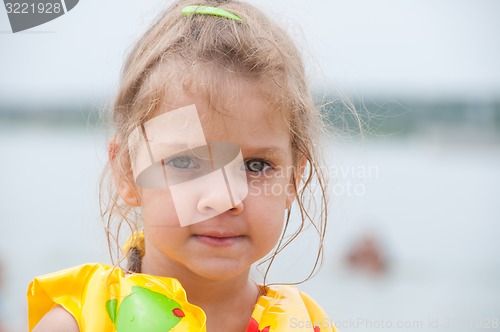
[225, 245]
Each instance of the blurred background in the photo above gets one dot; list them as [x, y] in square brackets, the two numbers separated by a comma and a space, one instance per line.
[413, 236]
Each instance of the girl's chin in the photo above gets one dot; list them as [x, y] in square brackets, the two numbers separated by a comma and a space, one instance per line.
[219, 270]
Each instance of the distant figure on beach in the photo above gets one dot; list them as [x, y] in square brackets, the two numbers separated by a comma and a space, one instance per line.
[367, 255]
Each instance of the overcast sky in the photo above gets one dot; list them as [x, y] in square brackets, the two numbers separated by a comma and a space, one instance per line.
[393, 47]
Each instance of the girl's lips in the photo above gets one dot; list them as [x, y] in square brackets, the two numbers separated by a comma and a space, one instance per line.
[218, 241]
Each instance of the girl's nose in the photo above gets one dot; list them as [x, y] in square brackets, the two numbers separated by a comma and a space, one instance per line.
[237, 209]
[215, 203]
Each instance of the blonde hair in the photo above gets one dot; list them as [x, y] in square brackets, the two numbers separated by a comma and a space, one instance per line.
[200, 47]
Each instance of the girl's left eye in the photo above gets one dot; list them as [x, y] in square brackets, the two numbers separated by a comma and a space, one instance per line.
[257, 165]
[183, 163]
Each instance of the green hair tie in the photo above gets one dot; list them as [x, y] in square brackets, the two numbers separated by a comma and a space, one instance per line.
[206, 10]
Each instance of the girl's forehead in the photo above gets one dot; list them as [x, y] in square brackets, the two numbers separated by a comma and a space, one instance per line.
[243, 116]
[219, 90]
[228, 106]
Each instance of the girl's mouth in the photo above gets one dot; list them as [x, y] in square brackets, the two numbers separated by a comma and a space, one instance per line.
[218, 241]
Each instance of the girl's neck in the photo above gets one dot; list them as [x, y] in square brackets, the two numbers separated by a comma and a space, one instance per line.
[229, 301]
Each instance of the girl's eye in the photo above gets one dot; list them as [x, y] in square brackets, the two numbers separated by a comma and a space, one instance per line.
[182, 163]
[257, 165]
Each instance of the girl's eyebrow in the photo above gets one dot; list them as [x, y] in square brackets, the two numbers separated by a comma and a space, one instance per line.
[177, 145]
[266, 151]
[273, 151]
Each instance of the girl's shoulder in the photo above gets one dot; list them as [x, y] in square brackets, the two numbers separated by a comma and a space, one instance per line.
[99, 297]
[285, 307]
[63, 289]
[57, 320]
[59, 289]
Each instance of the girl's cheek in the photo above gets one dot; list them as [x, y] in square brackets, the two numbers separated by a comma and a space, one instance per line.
[156, 197]
[268, 186]
[157, 204]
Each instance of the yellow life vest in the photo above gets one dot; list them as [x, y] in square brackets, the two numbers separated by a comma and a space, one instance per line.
[102, 298]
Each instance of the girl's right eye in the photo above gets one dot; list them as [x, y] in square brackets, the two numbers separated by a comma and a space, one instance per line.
[182, 162]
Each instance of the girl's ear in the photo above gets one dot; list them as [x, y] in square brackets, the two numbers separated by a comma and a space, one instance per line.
[125, 183]
[298, 172]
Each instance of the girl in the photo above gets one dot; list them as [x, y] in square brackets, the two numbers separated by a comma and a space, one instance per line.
[214, 142]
